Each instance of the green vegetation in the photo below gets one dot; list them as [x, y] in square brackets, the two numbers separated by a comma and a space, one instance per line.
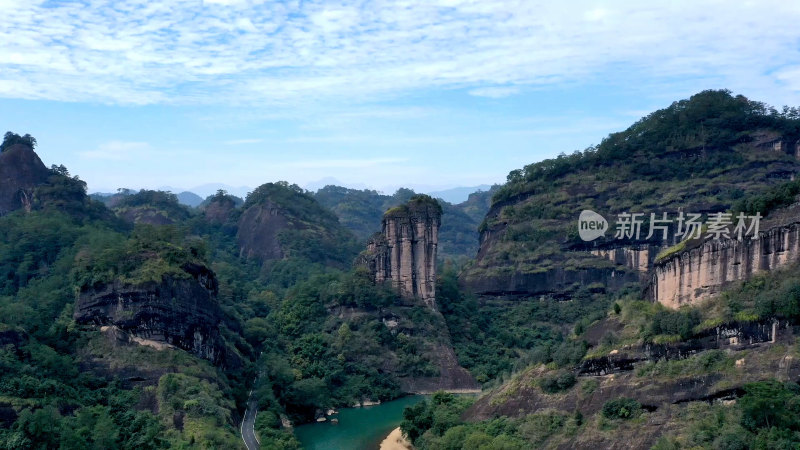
[361, 211]
[10, 139]
[435, 424]
[765, 417]
[557, 382]
[703, 153]
[315, 333]
[621, 408]
[774, 198]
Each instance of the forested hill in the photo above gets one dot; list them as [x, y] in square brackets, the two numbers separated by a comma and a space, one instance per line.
[143, 326]
[586, 359]
[698, 155]
[362, 210]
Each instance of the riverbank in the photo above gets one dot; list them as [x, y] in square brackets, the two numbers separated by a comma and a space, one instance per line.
[396, 441]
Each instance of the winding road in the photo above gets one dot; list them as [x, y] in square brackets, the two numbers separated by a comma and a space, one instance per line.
[248, 425]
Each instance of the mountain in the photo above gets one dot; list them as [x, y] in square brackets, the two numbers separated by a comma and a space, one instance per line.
[635, 342]
[362, 210]
[138, 322]
[21, 171]
[698, 155]
[458, 194]
[189, 199]
[279, 221]
[150, 207]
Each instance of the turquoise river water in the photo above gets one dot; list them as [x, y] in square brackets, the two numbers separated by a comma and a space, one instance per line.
[358, 428]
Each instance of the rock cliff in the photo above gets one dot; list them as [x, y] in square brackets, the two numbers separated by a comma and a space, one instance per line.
[404, 253]
[693, 275]
[636, 257]
[280, 221]
[177, 312]
[219, 209]
[20, 171]
[259, 227]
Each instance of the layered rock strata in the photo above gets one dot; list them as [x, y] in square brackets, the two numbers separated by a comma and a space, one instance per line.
[691, 276]
[178, 312]
[404, 252]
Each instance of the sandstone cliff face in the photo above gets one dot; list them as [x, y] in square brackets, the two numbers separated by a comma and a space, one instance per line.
[259, 227]
[639, 258]
[694, 275]
[20, 171]
[404, 253]
[178, 312]
[218, 211]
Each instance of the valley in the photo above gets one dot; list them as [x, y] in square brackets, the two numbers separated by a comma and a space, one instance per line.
[136, 321]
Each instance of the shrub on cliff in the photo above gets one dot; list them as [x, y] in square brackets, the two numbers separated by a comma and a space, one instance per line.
[621, 408]
[557, 382]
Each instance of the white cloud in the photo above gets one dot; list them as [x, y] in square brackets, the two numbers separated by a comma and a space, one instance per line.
[278, 53]
[495, 91]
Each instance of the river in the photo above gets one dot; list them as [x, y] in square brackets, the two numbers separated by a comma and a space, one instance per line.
[358, 429]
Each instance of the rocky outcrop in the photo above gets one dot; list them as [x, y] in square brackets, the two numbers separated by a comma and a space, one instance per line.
[452, 377]
[178, 312]
[557, 281]
[636, 257]
[259, 227]
[730, 336]
[219, 209]
[617, 376]
[21, 171]
[693, 275]
[404, 253]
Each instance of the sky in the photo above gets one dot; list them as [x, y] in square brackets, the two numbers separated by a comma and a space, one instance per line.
[380, 94]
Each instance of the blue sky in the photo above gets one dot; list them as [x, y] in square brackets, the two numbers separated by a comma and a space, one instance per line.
[426, 94]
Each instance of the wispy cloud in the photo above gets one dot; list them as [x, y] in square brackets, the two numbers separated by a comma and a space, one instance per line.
[118, 150]
[243, 141]
[259, 52]
[495, 91]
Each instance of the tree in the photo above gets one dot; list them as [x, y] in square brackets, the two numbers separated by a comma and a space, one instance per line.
[59, 170]
[10, 139]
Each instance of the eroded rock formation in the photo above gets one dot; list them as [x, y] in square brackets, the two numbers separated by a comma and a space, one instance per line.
[404, 253]
[694, 275]
[639, 258]
[178, 312]
[259, 227]
[219, 209]
[20, 171]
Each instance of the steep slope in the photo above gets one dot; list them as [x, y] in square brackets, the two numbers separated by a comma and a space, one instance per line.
[220, 208]
[21, 171]
[718, 372]
[696, 269]
[699, 155]
[280, 221]
[179, 310]
[361, 211]
[150, 207]
[403, 256]
[404, 252]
